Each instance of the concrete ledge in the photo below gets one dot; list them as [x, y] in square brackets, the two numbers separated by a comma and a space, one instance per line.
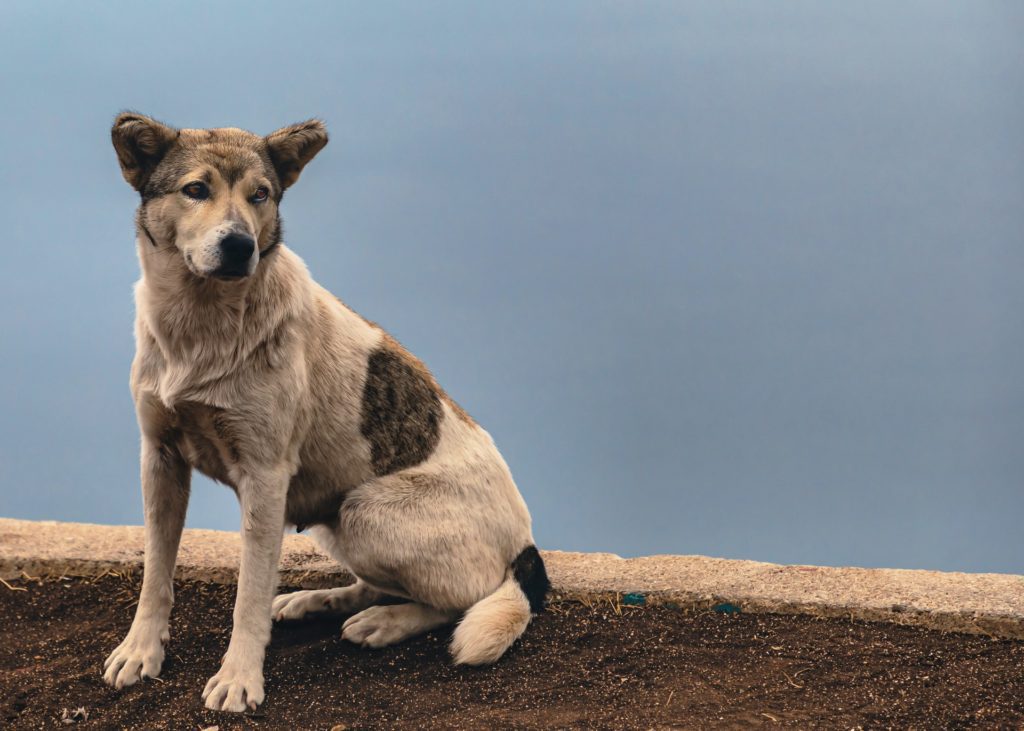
[991, 604]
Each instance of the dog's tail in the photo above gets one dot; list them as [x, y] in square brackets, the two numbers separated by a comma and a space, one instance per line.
[490, 626]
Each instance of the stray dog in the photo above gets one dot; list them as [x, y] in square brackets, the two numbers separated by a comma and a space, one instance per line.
[248, 371]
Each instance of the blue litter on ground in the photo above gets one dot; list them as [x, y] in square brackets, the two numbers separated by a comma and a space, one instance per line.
[634, 600]
[726, 608]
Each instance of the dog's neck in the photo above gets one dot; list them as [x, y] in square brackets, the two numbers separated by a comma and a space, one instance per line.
[206, 322]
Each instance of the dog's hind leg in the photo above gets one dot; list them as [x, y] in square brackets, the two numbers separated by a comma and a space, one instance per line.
[343, 600]
[389, 625]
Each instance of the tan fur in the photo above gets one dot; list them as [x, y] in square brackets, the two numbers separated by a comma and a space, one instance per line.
[270, 384]
[491, 626]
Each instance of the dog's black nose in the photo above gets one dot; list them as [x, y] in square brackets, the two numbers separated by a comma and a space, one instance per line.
[235, 252]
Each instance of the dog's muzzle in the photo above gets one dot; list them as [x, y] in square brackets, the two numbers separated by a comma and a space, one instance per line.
[236, 254]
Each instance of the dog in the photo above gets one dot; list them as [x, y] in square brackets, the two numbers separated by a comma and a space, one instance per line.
[250, 372]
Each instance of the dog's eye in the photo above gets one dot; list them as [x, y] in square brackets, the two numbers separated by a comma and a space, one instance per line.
[260, 195]
[197, 191]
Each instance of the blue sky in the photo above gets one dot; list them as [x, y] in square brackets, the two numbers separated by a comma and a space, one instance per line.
[737, 279]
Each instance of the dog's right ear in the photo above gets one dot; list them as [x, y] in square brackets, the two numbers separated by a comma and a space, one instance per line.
[140, 143]
[291, 147]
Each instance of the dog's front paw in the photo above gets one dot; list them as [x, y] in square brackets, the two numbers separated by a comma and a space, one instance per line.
[140, 655]
[234, 689]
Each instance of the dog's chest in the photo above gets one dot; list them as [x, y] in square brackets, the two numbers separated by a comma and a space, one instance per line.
[209, 439]
[215, 441]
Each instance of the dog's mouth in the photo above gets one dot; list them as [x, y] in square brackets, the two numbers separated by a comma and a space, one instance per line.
[229, 276]
[221, 274]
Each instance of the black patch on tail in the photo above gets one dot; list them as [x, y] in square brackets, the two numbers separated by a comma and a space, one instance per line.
[528, 568]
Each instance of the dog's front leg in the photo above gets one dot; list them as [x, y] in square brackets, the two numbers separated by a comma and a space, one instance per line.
[165, 490]
[239, 682]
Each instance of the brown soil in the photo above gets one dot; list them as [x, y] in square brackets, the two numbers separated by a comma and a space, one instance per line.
[578, 666]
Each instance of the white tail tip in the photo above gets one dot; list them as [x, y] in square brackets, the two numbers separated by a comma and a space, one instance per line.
[491, 625]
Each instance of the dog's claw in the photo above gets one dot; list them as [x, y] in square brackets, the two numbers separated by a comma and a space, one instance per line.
[138, 657]
[234, 690]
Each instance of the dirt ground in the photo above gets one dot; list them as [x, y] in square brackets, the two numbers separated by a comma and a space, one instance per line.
[586, 667]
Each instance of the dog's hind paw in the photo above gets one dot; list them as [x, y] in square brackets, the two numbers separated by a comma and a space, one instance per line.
[298, 604]
[342, 600]
[233, 689]
[388, 625]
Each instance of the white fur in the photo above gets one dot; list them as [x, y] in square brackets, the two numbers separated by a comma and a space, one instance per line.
[491, 625]
[344, 600]
[381, 626]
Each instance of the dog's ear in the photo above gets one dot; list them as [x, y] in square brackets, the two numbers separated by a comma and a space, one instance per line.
[140, 143]
[293, 146]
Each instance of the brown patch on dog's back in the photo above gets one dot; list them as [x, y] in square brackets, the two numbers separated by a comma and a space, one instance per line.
[401, 411]
[389, 342]
[425, 372]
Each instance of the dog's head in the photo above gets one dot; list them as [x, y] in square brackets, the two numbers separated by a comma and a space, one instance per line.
[213, 193]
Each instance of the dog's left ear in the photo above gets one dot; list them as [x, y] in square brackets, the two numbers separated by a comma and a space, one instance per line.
[293, 146]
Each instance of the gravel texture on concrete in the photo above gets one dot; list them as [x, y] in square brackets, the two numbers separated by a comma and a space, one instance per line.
[991, 604]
